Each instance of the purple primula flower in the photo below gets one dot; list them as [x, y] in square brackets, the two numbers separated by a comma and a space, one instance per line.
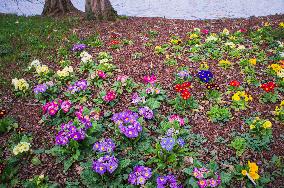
[168, 143]
[106, 163]
[78, 86]
[146, 112]
[181, 142]
[61, 140]
[127, 123]
[78, 47]
[183, 74]
[213, 182]
[167, 181]
[105, 145]
[40, 88]
[139, 175]
[69, 131]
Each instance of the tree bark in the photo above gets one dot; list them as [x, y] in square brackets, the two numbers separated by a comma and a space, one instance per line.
[58, 7]
[100, 10]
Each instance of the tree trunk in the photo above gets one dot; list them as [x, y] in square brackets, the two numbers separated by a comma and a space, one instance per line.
[100, 9]
[58, 7]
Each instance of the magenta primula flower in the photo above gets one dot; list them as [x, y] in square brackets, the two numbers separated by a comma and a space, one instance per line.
[110, 96]
[176, 117]
[102, 74]
[150, 79]
[202, 183]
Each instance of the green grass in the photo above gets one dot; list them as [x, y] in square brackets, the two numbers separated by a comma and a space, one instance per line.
[23, 39]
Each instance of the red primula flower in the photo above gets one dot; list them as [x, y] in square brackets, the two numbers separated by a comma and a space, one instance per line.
[178, 88]
[235, 83]
[268, 87]
[185, 94]
[186, 85]
[114, 42]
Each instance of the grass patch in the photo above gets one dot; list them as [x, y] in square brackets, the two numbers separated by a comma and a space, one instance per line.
[23, 39]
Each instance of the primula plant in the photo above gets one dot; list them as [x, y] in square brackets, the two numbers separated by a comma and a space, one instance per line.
[260, 133]
[219, 114]
[240, 100]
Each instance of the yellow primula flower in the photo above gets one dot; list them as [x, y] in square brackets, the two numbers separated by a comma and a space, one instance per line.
[252, 126]
[254, 175]
[21, 147]
[193, 36]
[267, 124]
[282, 103]
[266, 24]
[252, 61]
[236, 97]
[281, 24]
[252, 167]
[224, 63]
[226, 31]
[42, 69]
[20, 84]
[244, 172]
[276, 67]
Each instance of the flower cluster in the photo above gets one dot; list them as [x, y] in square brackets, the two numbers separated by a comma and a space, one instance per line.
[54, 106]
[149, 79]
[146, 112]
[153, 90]
[183, 89]
[225, 63]
[205, 75]
[101, 74]
[258, 124]
[78, 86]
[21, 147]
[278, 68]
[65, 72]
[114, 42]
[105, 145]
[251, 170]
[176, 117]
[122, 78]
[42, 70]
[78, 47]
[279, 111]
[234, 83]
[85, 120]
[105, 164]
[241, 95]
[252, 61]
[86, 57]
[168, 143]
[110, 96]
[128, 123]
[137, 99]
[40, 88]
[34, 64]
[201, 174]
[140, 175]
[167, 181]
[212, 86]
[69, 131]
[20, 84]
[183, 74]
[268, 87]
